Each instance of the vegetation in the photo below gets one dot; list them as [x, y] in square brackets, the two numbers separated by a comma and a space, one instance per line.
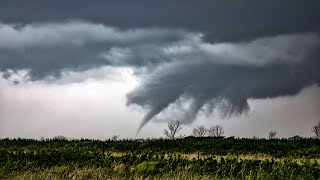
[215, 131]
[316, 130]
[187, 158]
[173, 128]
[272, 134]
[199, 131]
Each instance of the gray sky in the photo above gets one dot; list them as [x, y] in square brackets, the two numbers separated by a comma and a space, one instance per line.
[99, 68]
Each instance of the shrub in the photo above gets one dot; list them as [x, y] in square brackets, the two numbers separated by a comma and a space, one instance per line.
[146, 168]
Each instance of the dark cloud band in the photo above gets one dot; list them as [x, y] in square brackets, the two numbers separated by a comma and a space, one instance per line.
[222, 20]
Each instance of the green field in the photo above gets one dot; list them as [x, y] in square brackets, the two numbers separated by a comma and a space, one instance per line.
[188, 158]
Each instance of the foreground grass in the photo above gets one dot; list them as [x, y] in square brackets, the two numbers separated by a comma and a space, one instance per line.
[77, 173]
[172, 167]
[239, 157]
[160, 159]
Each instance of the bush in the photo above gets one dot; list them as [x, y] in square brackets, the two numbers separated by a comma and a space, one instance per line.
[146, 168]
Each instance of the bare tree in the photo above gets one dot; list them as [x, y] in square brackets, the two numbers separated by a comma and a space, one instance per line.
[60, 137]
[173, 128]
[115, 137]
[199, 131]
[316, 130]
[215, 131]
[272, 134]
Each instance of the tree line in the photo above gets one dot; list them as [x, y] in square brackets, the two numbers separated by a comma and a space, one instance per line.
[174, 126]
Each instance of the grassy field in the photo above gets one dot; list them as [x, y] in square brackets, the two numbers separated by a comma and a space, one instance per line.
[188, 158]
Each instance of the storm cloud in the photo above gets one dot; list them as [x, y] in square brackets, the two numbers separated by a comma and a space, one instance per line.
[189, 58]
[47, 48]
[173, 64]
[226, 75]
[222, 20]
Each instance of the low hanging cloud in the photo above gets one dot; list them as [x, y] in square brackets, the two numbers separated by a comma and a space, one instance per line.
[80, 33]
[174, 66]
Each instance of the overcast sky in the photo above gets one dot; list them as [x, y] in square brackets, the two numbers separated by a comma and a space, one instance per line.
[95, 69]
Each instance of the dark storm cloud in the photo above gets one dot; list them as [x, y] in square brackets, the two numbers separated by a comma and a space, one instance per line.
[179, 63]
[211, 54]
[48, 48]
[222, 20]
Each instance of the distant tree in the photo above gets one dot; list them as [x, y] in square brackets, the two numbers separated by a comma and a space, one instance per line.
[60, 137]
[173, 128]
[199, 131]
[272, 134]
[115, 137]
[316, 130]
[215, 131]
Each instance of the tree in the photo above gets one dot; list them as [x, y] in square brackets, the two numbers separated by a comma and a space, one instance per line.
[316, 130]
[215, 131]
[272, 134]
[199, 131]
[60, 137]
[115, 137]
[173, 128]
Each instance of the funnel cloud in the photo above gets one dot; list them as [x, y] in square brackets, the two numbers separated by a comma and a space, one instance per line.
[226, 75]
